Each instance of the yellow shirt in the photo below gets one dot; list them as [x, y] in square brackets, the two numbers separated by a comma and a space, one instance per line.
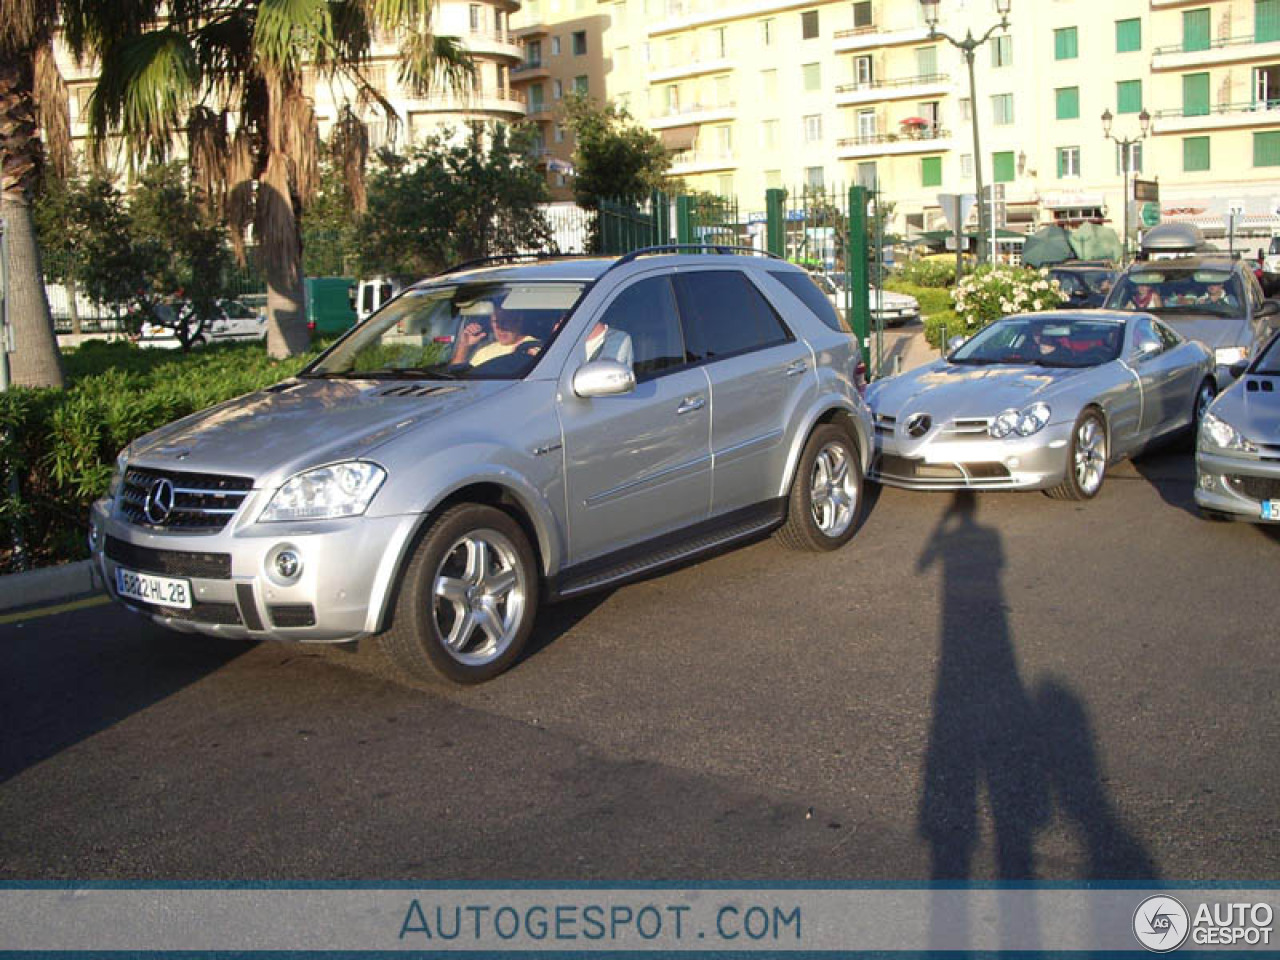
[491, 351]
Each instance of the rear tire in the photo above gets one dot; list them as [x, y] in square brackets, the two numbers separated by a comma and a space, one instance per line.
[1086, 459]
[826, 494]
[467, 600]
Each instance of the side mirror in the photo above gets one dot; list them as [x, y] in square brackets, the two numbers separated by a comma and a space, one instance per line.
[1146, 348]
[1269, 308]
[603, 378]
[955, 343]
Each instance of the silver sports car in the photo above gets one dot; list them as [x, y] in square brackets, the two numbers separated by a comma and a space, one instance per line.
[1040, 401]
[1238, 452]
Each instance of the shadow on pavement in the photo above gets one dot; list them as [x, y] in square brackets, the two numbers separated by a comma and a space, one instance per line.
[1030, 750]
[66, 677]
[1171, 469]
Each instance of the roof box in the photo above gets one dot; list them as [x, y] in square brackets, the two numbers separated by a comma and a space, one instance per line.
[1170, 238]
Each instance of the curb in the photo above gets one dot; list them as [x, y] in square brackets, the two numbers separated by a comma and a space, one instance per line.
[51, 584]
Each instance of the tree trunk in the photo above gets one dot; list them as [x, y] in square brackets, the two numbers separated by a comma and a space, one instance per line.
[287, 333]
[36, 361]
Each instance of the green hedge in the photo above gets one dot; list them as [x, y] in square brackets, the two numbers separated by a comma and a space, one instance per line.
[61, 445]
[941, 327]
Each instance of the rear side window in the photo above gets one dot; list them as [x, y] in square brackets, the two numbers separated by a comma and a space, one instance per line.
[803, 286]
[724, 314]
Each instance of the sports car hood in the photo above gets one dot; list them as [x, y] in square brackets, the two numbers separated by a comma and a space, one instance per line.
[1255, 413]
[1213, 331]
[946, 390]
[301, 423]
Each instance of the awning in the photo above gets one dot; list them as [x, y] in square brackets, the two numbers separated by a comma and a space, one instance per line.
[680, 138]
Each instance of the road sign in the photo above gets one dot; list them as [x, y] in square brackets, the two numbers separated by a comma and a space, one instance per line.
[1146, 191]
[956, 207]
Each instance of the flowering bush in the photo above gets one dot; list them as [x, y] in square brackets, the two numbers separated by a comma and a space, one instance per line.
[992, 292]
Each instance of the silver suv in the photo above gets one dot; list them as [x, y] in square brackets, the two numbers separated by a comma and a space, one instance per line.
[496, 436]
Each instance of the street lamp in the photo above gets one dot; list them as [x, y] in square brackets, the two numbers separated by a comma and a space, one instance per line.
[967, 46]
[1126, 160]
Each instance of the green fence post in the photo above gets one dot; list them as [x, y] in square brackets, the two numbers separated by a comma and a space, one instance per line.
[684, 219]
[860, 312]
[775, 231]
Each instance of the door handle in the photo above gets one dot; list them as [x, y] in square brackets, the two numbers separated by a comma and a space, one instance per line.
[797, 368]
[690, 404]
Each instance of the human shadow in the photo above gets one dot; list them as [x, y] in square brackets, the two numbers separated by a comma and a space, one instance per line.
[1171, 469]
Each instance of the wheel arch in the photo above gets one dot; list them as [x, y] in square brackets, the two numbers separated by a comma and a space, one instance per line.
[838, 412]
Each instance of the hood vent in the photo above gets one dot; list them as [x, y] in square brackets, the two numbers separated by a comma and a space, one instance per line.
[1253, 386]
[414, 390]
[283, 387]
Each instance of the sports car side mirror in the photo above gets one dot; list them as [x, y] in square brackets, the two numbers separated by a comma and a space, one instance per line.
[955, 343]
[1269, 308]
[1146, 348]
[1237, 369]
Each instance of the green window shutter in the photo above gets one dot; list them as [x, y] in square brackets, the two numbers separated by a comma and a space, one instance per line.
[1266, 149]
[1129, 96]
[1195, 29]
[1060, 159]
[1195, 95]
[1266, 20]
[1066, 44]
[1002, 167]
[1129, 34]
[1195, 153]
[930, 171]
[1068, 101]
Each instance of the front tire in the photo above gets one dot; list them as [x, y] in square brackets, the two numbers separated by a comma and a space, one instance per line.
[1086, 459]
[468, 599]
[826, 494]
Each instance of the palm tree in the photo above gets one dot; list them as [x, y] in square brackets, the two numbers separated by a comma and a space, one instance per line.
[228, 75]
[32, 98]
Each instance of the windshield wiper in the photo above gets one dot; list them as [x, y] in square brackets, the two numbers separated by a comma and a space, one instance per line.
[391, 373]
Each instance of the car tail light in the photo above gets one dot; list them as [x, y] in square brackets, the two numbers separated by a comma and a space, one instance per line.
[311, 326]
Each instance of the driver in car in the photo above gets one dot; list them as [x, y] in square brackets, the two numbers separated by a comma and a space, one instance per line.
[1216, 293]
[470, 348]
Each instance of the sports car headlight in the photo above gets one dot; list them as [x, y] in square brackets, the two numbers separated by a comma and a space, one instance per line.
[326, 493]
[1227, 356]
[117, 478]
[1216, 432]
[1033, 419]
[1005, 424]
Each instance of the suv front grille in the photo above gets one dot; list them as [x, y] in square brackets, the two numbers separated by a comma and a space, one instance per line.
[200, 501]
[1255, 488]
[169, 563]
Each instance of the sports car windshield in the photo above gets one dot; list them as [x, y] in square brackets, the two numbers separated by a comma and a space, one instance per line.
[1044, 342]
[467, 331]
[1173, 291]
[1268, 362]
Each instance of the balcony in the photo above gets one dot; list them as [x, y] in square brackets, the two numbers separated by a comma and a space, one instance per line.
[1221, 116]
[863, 38]
[694, 113]
[691, 162]
[1222, 51]
[904, 88]
[500, 43]
[684, 14]
[533, 31]
[693, 68]
[540, 110]
[527, 70]
[935, 140]
[506, 102]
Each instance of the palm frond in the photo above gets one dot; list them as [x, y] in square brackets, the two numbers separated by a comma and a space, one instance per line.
[350, 139]
[300, 143]
[240, 196]
[91, 27]
[51, 107]
[288, 30]
[208, 151]
[22, 25]
[393, 14]
[225, 54]
[430, 62]
[352, 35]
[144, 90]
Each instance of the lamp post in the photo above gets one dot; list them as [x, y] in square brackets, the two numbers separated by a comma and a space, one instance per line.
[1126, 163]
[967, 46]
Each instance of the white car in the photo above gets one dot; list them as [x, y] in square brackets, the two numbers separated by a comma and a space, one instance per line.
[890, 308]
[235, 321]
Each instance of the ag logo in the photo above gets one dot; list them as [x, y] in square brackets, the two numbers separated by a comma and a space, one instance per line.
[918, 424]
[1161, 923]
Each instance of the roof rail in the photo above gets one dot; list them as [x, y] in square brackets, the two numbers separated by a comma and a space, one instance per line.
[691, 248]
[511, 258]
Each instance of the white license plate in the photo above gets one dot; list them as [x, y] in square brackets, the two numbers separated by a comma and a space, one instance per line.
[1271, 509]
[160, 591]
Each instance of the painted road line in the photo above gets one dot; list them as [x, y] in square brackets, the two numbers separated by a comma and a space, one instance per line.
[95, 601]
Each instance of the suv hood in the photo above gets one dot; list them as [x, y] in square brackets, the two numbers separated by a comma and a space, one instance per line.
[946, 390]
[274, 433]
[1212, 331]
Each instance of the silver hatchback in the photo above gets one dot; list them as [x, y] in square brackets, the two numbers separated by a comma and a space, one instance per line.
[493, 437]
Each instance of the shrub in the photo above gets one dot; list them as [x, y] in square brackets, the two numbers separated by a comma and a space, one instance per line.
[992, 292]
[61, 445]
[929, 272]
[931, 299]
[941, 327]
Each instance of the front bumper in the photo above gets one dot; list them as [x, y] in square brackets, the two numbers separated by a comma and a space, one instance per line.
[340, 592]
[890, 315]
[1236, 485]
[937, 462]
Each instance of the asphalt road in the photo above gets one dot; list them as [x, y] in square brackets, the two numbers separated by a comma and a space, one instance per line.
[1021, 688]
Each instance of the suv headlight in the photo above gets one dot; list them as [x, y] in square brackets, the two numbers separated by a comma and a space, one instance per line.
[1022, 422]
[1216, 432]
[326, 493]
[1227, 356]
[117, 477]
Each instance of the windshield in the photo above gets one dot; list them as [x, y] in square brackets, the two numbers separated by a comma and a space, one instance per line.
[1083, 282]
[1173, 291]
[469, 331]
[1268, 361]
[1044, 342]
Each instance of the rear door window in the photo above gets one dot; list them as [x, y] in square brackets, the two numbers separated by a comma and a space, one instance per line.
[806, 288]
[725, 315]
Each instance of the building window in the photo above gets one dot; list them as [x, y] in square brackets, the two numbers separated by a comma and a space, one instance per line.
[1128, 35]
[475, 11]
[1002, 167]
[866, 176]
[723, 96]
[809, 24]
[966, 109]
[930, 171]
[1266, 87]
[863, 72]
[1066, 44]
[724, 185]
[1195, 29]
[1195, 154]
[535, 98]
[769, 135]
[724, 140]
[1002, 109]
[579, 43]
[766, 33]
[1001, 50]
[773, 179]
[580, 86]
[866, 124]
[926, 61]
[1195, 95]
[812, 77]
[1129, 96]
[557, 89]
[1266, 21]
[769, 85]
[1135, 158]
[814, 178]
[1067, 100]
[1266, 149]
[533, 53]
[559, 133]
[813, 128]
[1068, 163]
[555, 46]
[966, 164]
[862, 14]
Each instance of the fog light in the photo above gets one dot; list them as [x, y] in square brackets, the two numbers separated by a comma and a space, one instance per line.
[284, 564]
[1012, 463]
[1207, 481]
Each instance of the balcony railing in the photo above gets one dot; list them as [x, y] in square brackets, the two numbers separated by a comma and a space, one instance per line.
[857, 31]
[471, 97]
[892, 84]
[692, 108]
[495, 36]
[871, 139]
[1219, 44]
[1259, 106]
[527, 65]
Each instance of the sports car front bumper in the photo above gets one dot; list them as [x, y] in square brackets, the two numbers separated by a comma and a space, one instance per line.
[944, 460]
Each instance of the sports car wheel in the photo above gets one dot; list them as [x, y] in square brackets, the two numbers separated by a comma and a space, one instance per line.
[826, 494]
[1086, 459]
[1204, 397]
[467, 601]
